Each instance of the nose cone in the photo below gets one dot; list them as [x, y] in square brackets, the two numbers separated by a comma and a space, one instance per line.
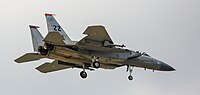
[166, 67]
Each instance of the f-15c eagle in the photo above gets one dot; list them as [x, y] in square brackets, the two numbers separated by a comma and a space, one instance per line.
[96, 50]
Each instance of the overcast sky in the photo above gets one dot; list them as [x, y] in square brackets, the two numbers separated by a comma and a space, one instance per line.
[168, 30]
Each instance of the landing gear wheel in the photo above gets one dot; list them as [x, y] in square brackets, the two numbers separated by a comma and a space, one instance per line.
[130, 77]
[83, 74]
[96, 64]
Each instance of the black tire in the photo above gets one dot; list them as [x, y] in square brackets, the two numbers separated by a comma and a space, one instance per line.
[83, 74]
[130, 77]
[96, 64]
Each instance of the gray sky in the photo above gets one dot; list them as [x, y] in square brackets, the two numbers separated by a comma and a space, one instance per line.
[166, 29]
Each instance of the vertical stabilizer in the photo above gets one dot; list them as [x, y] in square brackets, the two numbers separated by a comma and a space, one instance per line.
[37, 38]
[54, 26]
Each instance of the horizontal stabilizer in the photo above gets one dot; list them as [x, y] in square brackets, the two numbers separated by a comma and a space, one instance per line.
[54, 38]
[50, 67]
[28, 57]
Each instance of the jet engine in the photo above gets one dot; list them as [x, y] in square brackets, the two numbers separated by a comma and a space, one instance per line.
[42, 50]
[49, 47]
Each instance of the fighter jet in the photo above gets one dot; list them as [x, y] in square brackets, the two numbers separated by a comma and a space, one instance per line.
[95, 50]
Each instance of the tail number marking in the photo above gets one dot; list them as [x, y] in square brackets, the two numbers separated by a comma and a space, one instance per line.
[56, 28]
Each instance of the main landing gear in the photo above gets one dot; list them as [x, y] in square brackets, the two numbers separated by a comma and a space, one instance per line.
[95, 62]
[130, 69]
[83, 74]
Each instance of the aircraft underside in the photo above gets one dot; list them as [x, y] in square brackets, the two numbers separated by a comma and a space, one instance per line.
[96, 50]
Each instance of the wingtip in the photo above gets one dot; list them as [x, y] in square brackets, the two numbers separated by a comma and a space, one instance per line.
[38, 69]
[33, 26]
[47, 14]
[16, 60]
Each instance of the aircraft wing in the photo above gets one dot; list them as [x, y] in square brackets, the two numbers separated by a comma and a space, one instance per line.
[29, 57]
[96, 36]
[50, 67]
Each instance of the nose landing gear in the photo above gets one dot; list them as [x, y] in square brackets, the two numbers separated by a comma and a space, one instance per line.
[130, 69]
[130, 77]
